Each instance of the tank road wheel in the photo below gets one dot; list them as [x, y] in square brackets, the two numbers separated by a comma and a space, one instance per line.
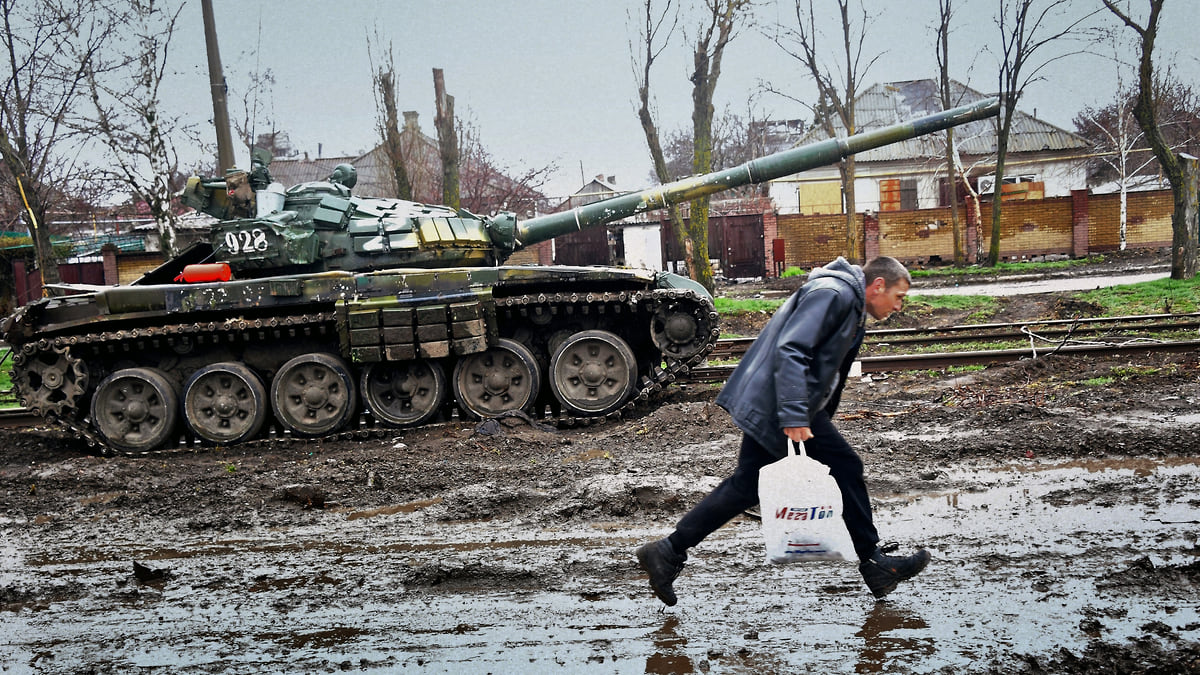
[313, 394]
[49, 381]
[135, 409]
[593, 372]
[403, 393]
[225, 403]
[503, 378]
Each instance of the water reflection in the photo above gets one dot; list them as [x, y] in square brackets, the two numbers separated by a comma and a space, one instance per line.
[668, 656]
[879, 647]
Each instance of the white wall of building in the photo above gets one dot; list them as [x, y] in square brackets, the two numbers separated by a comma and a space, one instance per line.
[643, 247]
[1059, 175]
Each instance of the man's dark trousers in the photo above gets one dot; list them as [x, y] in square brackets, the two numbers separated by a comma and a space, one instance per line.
[740, 491]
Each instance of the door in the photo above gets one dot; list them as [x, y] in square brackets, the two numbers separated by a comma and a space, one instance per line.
[743, 240]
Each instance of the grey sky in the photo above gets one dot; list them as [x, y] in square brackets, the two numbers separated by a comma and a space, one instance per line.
[550, 80]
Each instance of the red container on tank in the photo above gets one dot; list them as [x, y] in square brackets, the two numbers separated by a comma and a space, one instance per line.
[206, 272]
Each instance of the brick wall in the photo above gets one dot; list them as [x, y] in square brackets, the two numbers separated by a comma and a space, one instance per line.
[1148, 222]
[813, 240]
[1075, 225]
[1029, 228]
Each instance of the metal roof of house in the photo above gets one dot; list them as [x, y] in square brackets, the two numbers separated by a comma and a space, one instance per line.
[293, 171]
[890, 103]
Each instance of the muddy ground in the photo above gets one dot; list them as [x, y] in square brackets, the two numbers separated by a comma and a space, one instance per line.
[1059, 498]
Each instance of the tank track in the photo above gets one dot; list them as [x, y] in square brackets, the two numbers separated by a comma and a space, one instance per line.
[649, 387]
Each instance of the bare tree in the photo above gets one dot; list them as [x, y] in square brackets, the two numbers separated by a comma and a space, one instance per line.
[1116, 138]
[48, 46]
[1025, 34]
[717, 30]
[257, 112]
[1180, 170]
[447, 140]
[655, 32]
[388, 122]
[129, 119]
[837, 86]
[488, 186]
[733, 142]
[945, 16]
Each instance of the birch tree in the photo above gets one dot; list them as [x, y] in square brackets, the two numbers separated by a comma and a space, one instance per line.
[1029, 30]
[1180, 170]
[48, 46]
[1117, 138]
[129, 118]
[945, 16]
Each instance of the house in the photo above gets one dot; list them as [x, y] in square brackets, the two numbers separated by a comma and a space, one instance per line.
[594, 246]
[483, 188]
[422, 162]
[1043, 160]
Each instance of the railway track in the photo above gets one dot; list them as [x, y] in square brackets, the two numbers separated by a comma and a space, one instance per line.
[1096, 337]
[1048, 331]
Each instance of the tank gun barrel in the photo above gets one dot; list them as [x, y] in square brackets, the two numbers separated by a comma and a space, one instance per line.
[759, 170]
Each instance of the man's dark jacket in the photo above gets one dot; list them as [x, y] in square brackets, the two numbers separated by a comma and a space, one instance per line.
[800, 360]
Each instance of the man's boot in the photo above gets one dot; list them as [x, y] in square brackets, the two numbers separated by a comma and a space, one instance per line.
[883, 572]
[663, 564]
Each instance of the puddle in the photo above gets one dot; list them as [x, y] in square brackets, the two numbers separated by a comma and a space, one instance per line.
[410, 507]
[1028, 557]
[1150, 418]
[932, 434]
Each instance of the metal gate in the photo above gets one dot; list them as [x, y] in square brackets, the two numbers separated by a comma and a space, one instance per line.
[742, 241]
[736, 242]
[28, 281]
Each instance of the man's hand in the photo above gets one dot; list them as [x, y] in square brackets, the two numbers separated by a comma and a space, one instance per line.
[798, 434]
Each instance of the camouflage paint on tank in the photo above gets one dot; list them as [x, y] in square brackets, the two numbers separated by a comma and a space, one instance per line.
[334, 295]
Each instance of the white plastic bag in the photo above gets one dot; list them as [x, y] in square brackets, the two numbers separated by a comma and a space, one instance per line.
[802, 511]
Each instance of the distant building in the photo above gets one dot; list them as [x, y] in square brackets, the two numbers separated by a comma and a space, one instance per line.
[483, 188]
[422, 162]
[1043, 160]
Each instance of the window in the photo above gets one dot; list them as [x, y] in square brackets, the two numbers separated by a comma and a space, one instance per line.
[897, 194]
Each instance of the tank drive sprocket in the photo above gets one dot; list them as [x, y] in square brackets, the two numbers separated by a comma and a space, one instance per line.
[48, 379]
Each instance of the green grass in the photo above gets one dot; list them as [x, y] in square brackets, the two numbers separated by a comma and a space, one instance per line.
[745, 305]
[793, 272]
[952, 370]
[7, 399]
[1126, 372]
[884, 348]
[981, 308]
[1148, 297]
[1098, 381]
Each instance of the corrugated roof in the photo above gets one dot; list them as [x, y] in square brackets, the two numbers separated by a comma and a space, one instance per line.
[890, 103]
[290, 171]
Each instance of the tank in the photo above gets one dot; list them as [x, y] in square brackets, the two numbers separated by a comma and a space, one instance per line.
[311, 311]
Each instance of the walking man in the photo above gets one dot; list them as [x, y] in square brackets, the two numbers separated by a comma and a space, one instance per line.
[788, 386]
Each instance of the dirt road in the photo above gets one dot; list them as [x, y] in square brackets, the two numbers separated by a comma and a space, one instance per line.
[1059, 498]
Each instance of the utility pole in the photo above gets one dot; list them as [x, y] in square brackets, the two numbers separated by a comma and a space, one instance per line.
[225, 159]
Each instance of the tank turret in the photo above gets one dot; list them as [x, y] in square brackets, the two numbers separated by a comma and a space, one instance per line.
[312, 310]
[320, 226]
